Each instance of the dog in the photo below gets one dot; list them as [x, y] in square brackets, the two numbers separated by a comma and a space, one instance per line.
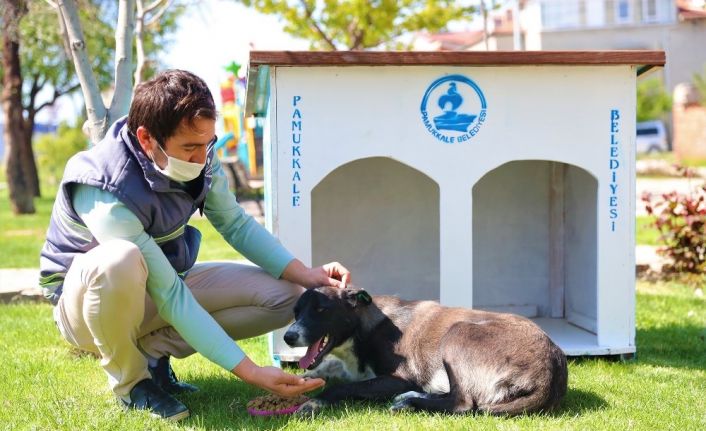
[424, 356]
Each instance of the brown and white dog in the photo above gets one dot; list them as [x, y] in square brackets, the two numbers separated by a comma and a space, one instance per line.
[425, 356]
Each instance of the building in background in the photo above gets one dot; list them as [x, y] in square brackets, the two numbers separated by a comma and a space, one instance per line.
[676, 26]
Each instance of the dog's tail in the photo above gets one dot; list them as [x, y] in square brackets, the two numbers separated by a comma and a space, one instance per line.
[516, 406]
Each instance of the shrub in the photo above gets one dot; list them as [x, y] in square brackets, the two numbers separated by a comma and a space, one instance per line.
[681, 221]
[653, 101]
[54, 150]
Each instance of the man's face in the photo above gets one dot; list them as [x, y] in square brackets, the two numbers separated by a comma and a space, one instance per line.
[189, 143]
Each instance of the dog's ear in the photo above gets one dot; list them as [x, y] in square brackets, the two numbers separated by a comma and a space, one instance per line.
[357, 297]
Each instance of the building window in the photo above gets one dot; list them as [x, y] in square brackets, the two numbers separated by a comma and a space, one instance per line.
[656, 11]
[557, 14]
[623, 12]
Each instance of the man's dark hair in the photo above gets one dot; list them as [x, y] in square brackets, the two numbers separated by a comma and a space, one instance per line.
[161, 103]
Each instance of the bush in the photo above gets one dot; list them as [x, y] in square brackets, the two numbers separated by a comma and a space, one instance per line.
[54, 150]
[653, 101]
[680, 220]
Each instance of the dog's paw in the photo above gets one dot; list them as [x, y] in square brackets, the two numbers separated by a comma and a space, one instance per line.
[310, 408]
[402, 402]
[328, 369]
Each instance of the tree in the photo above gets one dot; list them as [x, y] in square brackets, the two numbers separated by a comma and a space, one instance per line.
[21, 195]
[44, 66]
[147, 17]
[47, 64]
[100, 116]
[360, 24]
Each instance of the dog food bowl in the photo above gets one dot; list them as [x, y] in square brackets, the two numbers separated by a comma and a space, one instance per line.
[274, 405]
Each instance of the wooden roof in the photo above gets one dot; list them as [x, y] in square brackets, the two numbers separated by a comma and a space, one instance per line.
[488, 58]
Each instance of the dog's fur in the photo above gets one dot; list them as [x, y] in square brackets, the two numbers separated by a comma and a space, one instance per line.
[432, 358]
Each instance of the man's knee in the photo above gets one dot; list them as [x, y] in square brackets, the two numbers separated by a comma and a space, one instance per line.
[284, 305]
[120, 263]
[289, 296]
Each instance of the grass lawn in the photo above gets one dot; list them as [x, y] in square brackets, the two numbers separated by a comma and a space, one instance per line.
[21, 238]
[46, 385]
[645, 234]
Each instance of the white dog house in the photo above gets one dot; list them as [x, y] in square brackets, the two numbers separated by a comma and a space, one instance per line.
[493, 180]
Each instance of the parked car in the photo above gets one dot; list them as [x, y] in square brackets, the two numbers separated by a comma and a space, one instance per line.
[651, 137]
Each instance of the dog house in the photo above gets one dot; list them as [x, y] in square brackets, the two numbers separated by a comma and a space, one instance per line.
[500, 181]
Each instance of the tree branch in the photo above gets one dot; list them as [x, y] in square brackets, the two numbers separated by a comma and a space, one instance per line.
[124, 31]
[57, 94]
[159, 14]
[318, 29]
[151, 7]
[95, 108]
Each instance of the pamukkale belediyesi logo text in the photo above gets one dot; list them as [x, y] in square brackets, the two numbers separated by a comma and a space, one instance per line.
[453, 109]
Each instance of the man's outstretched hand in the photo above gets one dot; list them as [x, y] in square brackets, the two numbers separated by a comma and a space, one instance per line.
[275, 380]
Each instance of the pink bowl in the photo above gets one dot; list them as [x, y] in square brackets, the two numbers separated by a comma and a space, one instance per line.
[287, 411]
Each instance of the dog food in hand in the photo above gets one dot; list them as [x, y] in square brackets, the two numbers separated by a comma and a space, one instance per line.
[275, 405]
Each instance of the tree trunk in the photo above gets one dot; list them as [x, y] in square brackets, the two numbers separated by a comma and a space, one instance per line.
[29, 164]
[99, 116]
[21, 196]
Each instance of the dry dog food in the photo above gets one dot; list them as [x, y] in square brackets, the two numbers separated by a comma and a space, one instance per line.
[275, 404]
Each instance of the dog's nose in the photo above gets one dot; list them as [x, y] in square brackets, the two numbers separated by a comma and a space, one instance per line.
[291, 337]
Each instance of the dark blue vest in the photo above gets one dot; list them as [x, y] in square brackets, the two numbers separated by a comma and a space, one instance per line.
[118, 165]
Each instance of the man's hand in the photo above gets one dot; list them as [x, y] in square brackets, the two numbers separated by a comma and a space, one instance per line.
[332, 274]
[275, 380]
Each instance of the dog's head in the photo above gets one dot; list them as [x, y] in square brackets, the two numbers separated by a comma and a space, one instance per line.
[325, 317]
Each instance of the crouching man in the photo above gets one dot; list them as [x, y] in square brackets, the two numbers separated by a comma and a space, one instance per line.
[119, 259]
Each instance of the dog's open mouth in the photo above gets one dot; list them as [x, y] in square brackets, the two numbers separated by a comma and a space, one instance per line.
[315, 353]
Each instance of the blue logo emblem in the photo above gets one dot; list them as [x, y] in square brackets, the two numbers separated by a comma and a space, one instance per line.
[453, 109]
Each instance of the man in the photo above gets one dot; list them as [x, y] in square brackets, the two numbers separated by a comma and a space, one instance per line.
[118, 262]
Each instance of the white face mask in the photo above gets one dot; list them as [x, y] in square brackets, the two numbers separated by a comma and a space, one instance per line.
[179, 170]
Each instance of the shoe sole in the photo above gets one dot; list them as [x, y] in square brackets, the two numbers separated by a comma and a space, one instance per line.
[174, 418]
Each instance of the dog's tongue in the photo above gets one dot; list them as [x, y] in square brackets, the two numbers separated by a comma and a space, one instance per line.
[310, 356]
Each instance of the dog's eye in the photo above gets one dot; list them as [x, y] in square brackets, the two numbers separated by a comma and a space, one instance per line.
[320, 310]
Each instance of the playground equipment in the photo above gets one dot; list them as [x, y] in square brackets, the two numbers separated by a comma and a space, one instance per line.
[493, 180]
[242, 140]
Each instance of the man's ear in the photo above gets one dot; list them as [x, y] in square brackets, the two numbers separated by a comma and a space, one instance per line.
[147, 142]
[356, 297]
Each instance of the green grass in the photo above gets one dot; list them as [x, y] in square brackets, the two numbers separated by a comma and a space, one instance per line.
[645, 234]
[45, 385]
[213, 246]
[22, 237]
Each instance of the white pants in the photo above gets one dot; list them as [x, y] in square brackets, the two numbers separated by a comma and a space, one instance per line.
[105, 308]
